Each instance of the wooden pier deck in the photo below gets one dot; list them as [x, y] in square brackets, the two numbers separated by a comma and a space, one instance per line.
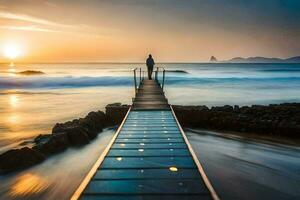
[150, 96]
[148, 158]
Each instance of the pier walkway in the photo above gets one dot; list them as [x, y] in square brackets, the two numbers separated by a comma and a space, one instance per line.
[148, 158]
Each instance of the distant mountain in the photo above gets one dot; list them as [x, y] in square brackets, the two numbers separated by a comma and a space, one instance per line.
[213, 59]
[264, 60]
[295, 59]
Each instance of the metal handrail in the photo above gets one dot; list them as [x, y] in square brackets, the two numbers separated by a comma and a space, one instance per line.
[138, 80]
[141, 78]
[163, 76]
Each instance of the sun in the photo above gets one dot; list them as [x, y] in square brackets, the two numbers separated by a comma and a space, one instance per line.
[12, 51]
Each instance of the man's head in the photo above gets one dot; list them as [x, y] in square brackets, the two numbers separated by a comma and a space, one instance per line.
[150, 56]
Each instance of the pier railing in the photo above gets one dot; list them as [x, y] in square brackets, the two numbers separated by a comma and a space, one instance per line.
[139, 76]
[163, 75]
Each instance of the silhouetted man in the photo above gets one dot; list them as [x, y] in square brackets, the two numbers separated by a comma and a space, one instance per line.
[150, 64]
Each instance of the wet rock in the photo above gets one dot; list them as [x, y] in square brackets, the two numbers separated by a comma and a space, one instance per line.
[94, 122]
[226, 108]
[56, 143]
[275, 119]
[236, 108]
[115, 113]
[78, 136]
[72, 133]
[42, 138]
[16, 159]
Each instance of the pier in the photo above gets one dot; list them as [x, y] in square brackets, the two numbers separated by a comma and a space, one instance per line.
[149, 157]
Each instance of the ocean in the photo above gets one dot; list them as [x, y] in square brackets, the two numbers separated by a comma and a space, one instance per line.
[31, 104]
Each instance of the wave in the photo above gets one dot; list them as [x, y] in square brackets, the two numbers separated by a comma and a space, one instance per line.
[6, 92]
[62, 82]
[74, 82]
[280, 70]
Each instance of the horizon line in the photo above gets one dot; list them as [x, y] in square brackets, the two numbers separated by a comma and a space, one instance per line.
[171, 62]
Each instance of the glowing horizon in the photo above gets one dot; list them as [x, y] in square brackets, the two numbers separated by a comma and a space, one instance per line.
[126, 31]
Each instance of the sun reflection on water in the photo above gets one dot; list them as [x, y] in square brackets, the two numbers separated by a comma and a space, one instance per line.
[14, 119]
[12, 71]
[13, 100]
[28, 184]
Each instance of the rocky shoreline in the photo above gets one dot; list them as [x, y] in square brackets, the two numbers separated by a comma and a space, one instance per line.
[274, 120]
[73, 133]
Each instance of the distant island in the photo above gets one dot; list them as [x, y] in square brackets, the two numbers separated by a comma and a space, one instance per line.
[259, 59]
[213, 59]
[264, 60]
[31, 72]
[178, 71]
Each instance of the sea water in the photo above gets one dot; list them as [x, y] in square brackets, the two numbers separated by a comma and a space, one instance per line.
[31, 104]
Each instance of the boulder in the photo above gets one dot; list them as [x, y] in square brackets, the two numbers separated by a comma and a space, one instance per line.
[16, 159]
[115, 113]
[94, 122]
[42, 138]
[56, 143]
[226, 108]
[72, 133]
[77, 135]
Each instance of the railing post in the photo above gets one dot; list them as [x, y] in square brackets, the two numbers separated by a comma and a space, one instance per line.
[143, 75]
[140, 77]
[135, 87]
[163, 82]
[156, 72]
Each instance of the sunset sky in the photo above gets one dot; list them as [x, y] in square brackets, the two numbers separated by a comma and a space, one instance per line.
[127, 30]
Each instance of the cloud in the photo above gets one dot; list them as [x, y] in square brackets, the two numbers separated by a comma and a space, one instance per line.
[28, 18]
[28, 28]
[51, 4]
[44, 25]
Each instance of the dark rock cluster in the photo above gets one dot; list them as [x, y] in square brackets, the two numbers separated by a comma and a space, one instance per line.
[116, 112]
[275, 119]
[16, 159]
[73, 133]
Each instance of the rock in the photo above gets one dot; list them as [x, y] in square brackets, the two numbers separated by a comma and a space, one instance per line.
[77, 135]
[115, 113]
[236, 108]
[56, 143]
[72, 133]
[42, 138]
[16, 159]
[225, 108]
[94, 122]
[275, 119]
[213, 59]
[31, 72]
[58, 128]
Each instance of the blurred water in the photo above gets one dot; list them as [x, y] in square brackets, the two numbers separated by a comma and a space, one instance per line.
[243, 169]
[31, 105]
[57, 177]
